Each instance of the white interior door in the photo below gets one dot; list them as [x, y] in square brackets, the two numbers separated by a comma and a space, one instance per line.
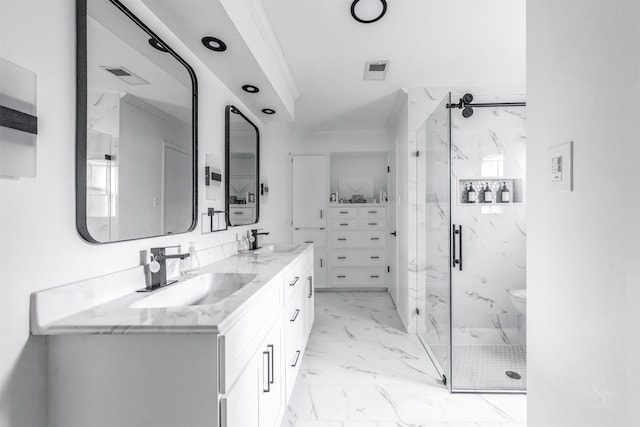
[176, 207]
[309, 187]
[392, 214]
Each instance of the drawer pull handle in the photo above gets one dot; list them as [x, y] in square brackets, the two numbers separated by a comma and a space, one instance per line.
[342, 277]
[343, 225]
[295, 361]
[265, 370]
[237, 213]
[342, 257]
[294, 281]
[375, 238]
[344, 212]
[295, 315]
[308, 241]
[374, 276]
[342, 238]
[373, 223]
[373, 211]
[272, 356]
[375, 257]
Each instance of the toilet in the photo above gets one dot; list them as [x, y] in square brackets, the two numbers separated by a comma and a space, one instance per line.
[519, 300]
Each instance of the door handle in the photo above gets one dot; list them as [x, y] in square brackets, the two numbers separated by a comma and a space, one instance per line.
[456, 234]
[271, 351]
[265, 369]
[310, 279]
[295, 362]
[295, 316]
[294, 281]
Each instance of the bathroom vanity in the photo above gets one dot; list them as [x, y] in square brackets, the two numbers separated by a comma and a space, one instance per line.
[220, 348]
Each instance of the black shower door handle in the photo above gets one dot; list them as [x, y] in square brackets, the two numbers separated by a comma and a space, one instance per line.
[456, 233]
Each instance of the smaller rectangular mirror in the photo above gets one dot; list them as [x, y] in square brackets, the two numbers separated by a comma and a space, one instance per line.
[242, 168]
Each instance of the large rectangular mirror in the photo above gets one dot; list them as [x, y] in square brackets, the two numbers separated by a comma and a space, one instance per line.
[136, 148]
[242, 168]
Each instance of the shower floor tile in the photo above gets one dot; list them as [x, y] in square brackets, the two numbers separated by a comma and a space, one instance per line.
[484, 367]
[361, 370]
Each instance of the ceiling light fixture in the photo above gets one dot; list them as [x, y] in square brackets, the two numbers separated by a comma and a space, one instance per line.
[214, 44]
[268, 111]
[251, 88]
[368, 21]
[157, 45]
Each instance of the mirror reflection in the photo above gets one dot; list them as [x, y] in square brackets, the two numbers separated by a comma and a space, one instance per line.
[242, 139]
[139, 150]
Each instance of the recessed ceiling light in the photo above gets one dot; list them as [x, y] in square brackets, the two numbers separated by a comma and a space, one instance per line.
[268, 111]
[372, 20]
[251, 88]
[214, 44]
[158, 45]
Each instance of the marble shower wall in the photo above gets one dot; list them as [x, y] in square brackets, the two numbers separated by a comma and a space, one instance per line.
[490, 144]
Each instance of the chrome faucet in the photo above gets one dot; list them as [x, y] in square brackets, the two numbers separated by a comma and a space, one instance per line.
[254, 235]
[158, 267]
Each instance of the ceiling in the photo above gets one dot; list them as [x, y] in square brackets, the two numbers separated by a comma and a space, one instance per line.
[433, 43]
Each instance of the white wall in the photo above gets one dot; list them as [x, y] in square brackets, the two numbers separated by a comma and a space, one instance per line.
[39, 245]
[583, 247]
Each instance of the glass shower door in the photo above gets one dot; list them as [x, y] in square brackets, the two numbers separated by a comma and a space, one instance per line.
[433, 178]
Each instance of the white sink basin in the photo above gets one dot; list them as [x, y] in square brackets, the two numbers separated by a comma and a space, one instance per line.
[281, 248]
[201, 290]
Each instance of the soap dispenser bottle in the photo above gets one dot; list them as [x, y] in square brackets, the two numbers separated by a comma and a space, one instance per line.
[193, 263]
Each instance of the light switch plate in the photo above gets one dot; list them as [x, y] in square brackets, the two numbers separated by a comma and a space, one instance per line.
[559, 167]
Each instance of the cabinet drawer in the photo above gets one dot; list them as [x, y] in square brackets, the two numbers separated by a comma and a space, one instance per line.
[317, 237]
[372, 224]
[366, 213]
[240, 213]
[344, 213]
[358, 259]
[294, 350]
[357, 277]
[358, 239]
[344, 224]
[239, 344]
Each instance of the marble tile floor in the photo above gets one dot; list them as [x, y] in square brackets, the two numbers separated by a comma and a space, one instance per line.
[361, 370]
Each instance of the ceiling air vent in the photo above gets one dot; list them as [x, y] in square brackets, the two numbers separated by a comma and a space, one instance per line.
[376, 70]
[125, 75]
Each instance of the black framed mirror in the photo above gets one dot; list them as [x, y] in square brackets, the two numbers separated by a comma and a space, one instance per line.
[136, 129]
[242, 168]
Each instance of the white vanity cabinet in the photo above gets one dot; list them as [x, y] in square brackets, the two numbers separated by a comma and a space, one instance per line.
[238, 374]
[299, 313]
[257, 397]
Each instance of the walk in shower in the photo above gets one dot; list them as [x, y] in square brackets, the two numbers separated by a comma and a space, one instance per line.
[470, 210]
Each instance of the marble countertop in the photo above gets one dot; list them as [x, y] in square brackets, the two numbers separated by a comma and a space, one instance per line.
[116, 316]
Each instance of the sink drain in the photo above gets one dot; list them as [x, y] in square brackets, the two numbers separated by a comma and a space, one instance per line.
[512, 374]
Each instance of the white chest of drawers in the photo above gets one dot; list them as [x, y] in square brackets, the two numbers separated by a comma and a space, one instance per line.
[357, 242]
